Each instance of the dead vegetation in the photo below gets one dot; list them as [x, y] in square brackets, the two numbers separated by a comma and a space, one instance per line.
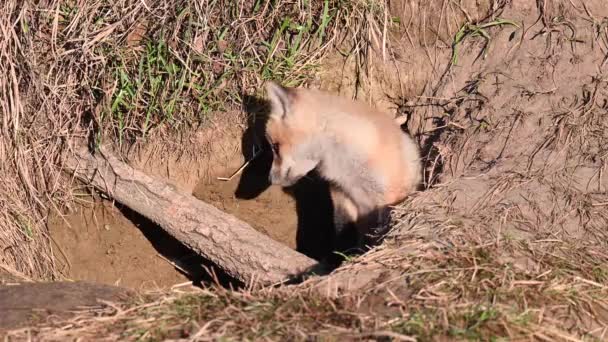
[507, 242]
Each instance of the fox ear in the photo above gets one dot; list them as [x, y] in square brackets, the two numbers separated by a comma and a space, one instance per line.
[280, 99]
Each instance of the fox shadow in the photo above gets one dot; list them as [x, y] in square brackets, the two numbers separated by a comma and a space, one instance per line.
[316, 235]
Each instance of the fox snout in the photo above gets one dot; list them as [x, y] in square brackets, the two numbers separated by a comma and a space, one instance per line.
[288, 171]
[280, 177]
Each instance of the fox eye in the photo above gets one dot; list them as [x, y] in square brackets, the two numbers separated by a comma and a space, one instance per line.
[275, 148]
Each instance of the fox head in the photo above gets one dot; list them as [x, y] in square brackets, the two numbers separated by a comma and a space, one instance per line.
[292, 132]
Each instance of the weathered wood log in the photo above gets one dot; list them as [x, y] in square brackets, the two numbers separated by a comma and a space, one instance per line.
[231, 244]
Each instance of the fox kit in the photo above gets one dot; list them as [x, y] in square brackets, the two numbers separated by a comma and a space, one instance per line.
[369, 162]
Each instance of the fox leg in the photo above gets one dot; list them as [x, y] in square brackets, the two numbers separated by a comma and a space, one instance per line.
[368, 224]
[345, 211]
[344, 219]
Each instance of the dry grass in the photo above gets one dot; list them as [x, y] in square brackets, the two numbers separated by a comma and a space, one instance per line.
[466, 292]
[117, 71]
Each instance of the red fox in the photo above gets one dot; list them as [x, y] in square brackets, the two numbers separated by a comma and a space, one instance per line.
[369, 162]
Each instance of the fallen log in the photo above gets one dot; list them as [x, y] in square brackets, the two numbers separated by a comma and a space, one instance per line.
[231, 244]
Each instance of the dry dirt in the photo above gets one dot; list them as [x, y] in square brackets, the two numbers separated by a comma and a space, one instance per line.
[272, 212]
[98, 243]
